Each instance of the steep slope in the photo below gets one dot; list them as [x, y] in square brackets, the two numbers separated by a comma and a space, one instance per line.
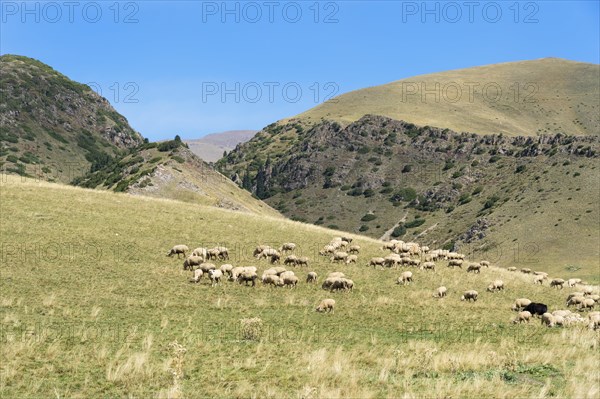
[91, 307]
[170, 170]
[52, 127]
[525, 98]
[212, 146]
[516, 199]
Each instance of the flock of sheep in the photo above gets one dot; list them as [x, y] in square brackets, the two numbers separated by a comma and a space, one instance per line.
[341, 250]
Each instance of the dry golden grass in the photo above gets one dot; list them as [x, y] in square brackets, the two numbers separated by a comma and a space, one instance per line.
[90, 306]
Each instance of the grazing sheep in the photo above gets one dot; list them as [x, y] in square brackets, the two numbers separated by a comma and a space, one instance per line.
[347, 239]
[538, 280]
[192, 261]
[335, 284]
[559, 320]
[572, 294]
[215, 276]
[588, 291]
[414, 262]
[288, 246]
[496, 285]
[178, 249]
[573, 281]
[536, 308]
[212, 253]
[223, 253]
[226, 269]
[484, 263]
[520, 303]
[594, 318]
[290, 281]
[428, 266]
[336, 274]
[557, 283]
[326, 305]
[197, 276]
[311, 277]
[200, 251]
[474, 267]
[338, 257]
[455, 262]
[290, 260]
[302, 261]
[405, 278]
[512, 269]
[237, 271]
[526, 270]
[548, 319]
[522, 317]
[440, 292]
[259, 249]
[271, 279]
[541, 274]
[454, 255]
[354, 249]
[575, 300]
[377, 262]
[470, 295]
[247, 276]
[268, 253]
[348, 284]
[351, 259]
[596, 298]
[329, 281]
[561, 313]
[392, 260]
[587, 303]
[327, 250]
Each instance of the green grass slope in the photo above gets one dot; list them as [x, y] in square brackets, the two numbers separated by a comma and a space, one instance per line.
[516, 99]
[52, 127]
[91, 307]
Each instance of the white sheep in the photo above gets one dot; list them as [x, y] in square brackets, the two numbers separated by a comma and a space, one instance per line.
[520, 303]
[512, 269]
[338, 257]
[405, 278]
[271, 279]
[197, 275]
[428, 266]
[594, 318]
[474, 267]
[587, 303]
[455, 263]
[311, 277]
[522, 317]
[215, 276]
[538, 280]
[192, 261]
[289, 281]
[377, 262]
[557, 283]
[548, 319]
[290, 260]
[351, 259]
[177, 250]
[326, 305]
[496, 285]
[440, 292]
[200, 251]
[302, 261]
[354, 249]
[260, 248]
[573, 281]
[575, 300]
[526, 270]
[484, 263]
[327, 250]
[336, 274]
[205, 267]
[392, 260]
[287, 247]
[226, 269]
[470, 295]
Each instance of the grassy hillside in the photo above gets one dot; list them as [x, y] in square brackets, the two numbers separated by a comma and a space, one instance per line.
[515, 199]
[52, 127]
[90, 306]
[516, 99]
[171, 170]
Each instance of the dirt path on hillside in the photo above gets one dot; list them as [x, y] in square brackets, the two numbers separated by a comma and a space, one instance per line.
[386, 236]
[426, 230]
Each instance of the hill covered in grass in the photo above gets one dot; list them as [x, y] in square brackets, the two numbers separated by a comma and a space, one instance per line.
[90, 306]
[171, 170]
[514, 198]
[52, 127]
[526, 98]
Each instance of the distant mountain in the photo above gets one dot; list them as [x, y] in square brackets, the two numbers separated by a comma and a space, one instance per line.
[211, 147]
[526, 98]
[52, 127]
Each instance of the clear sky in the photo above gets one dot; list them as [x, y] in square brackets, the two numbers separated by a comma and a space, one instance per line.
[193, 67]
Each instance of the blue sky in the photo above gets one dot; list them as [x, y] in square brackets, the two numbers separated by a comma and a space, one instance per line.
[192, 67]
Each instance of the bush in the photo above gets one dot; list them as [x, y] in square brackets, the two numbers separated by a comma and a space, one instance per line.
[399, 231]
[404, 194]
[464, 199]
[178, 158]
[363, 228]
[478, 190]
[494, 158]
[414, 223]
[251, 329]
[368, 193]
[406, 168]
[355, 192]
[449, 246]
[368, 217]
[520, 169]
[491, 202]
